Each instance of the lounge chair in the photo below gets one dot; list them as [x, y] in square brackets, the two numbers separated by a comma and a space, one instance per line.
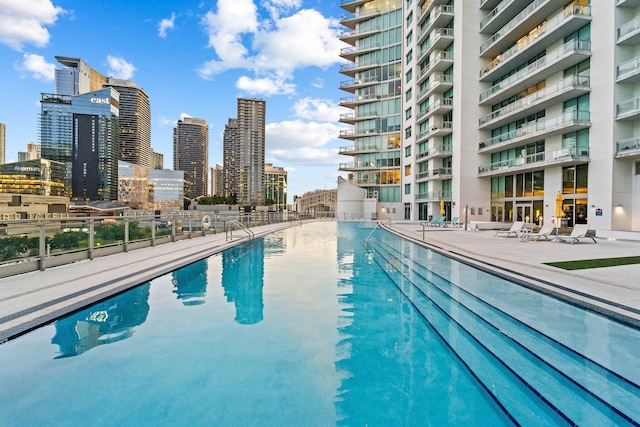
[453, 223]
[439, 222]
[430, 222]
[545, 231]
[515, 229]
[579, 232]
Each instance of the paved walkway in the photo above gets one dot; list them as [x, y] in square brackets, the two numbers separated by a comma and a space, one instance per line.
[614, 291]
[30, 300]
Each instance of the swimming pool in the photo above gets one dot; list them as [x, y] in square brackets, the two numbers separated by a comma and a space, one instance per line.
[311, 327]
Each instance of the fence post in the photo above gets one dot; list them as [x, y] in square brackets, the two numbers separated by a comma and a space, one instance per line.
[91, 238]
[41, 246]
[153, 231]
[126, 234]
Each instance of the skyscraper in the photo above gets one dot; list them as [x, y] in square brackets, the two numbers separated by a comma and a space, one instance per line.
[95, 147]
[55, 132]
[244, 153]
[34, 151]
[497, 111]
[191, 155]
[135, 122]
[3, 142]
[76, 77]
[275, 186]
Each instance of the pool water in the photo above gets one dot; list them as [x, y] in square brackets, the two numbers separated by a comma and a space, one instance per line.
[311, 327]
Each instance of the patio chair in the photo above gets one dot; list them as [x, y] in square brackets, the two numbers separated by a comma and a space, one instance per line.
[515, 229]
[453, 223]
[439, 222]
[579, 232]
[545, 231]
[430, 222]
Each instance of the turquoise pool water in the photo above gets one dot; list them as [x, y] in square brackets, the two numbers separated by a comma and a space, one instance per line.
[311, 327]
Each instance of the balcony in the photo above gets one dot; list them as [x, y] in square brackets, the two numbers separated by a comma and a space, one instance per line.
[352, 5]
[567, 55]
[628, 148]
[489, 4]
[567, 88]
[352, 101]
[434, 153]
[352, 19]
[629, 33]
[352, 36]
[436, 129]
[434, 196]
[438, 63]
[440, 17]
[351, 118]
[426, 7]
[439, 84]
[629, 71]
[628, 3]
[439, 107]
[569, 121]
[629, 109]
[538, 161]
[557, 27]
[353, 84]
[352, 150]
[350, 53]
[499, 16]
[352, 68]
[435, 174]
[355, 133]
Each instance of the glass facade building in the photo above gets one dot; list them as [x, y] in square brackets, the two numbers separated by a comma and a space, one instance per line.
[38, 177]
[144, 188]
[95, 145]
[191, 155]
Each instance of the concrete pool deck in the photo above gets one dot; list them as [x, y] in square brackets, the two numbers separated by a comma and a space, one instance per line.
[33, 299]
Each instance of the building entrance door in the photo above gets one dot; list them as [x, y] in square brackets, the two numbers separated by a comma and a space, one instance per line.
[523, 212]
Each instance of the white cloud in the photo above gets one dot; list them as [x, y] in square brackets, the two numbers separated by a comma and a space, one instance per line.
[165, 25]
[318, 83]
[301, 142]
[271, 45]
[165, 121]
[265, 86]
[24, 21]
[324, 110]
[120, 68]
[38, 67]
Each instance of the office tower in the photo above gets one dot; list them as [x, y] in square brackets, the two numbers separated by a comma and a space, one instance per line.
[191, 155]
[244, 153]
[275, 186]
[95, 148]
[135, 122]
[498, 111]
[3, 142]
[157, 160]
[38, 176]
[55, 132]
[76, 77]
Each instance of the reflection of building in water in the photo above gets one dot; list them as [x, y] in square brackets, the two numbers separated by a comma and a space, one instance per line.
[274, 245]
[110, 321]
[243, 279]
[190, 283]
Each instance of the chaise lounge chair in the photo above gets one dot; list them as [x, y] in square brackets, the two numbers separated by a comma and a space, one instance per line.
[579, 232]
[515, 230]
[546, 231]
[453, 223]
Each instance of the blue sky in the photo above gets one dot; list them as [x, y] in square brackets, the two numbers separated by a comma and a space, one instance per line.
[192, 58]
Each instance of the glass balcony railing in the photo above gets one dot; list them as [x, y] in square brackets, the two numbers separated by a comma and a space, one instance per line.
[534, 67]
[627, 145]
[539, 126]
[553, 23]
[496, 10]
[435, 128]
[631, 66]
[567, 153]
[434, 151]
[630, 107]
[629, 27]
[547, 92]
[361, 15]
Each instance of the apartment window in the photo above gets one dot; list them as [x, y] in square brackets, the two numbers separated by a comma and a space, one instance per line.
[407, 170]
[409, 38]
[407, 189]
[407, 132]
[409, 94]
[409, 19]
[409, 76]
[409, 56]
[408, 113]
[407, 151]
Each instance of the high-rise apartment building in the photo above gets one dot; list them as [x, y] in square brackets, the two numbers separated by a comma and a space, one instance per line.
[244, 153]
[33, 152]
[76, 77]
[135, 122]
[217, 180]
[191, 155]
[157, 161]
[496, 113]
[95, 147]
[3, 143]
[275, 186]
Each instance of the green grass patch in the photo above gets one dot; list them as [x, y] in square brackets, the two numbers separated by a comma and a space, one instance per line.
[595, 263]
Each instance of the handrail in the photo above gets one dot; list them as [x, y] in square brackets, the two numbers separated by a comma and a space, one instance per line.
[241, 227]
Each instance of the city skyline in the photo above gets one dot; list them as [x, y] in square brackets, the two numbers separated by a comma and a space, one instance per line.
[224, 60]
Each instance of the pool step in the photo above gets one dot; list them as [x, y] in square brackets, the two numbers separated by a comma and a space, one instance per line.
[497, 349]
